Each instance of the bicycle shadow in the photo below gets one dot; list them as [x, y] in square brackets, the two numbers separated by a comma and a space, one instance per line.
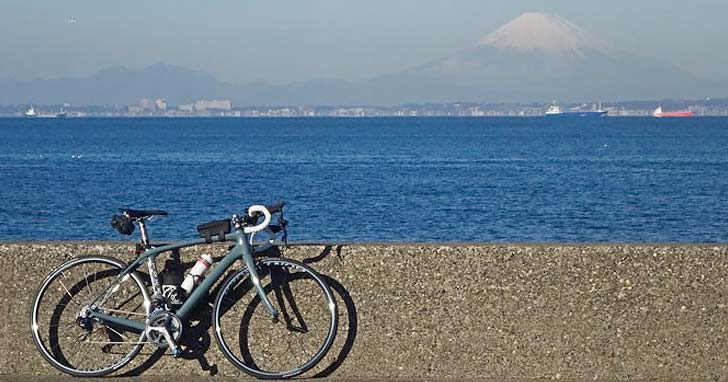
[196, 339]
[341, 295]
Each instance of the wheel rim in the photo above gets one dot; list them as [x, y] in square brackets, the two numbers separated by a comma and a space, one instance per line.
[301, 337]
[83, 346]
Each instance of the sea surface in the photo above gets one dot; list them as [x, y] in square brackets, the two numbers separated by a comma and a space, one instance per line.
[379, 179]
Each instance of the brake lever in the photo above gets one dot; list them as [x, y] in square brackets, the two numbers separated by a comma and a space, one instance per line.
[283, 223]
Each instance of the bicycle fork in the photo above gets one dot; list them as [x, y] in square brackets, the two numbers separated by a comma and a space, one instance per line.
[247, 256]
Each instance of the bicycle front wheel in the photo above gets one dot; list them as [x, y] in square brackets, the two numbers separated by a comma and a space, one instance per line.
[274, 349]
[64, 334]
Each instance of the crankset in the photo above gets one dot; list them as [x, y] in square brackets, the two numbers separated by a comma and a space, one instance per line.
[162, 327]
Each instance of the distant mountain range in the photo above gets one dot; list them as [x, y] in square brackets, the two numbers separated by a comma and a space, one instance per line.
[536, 57]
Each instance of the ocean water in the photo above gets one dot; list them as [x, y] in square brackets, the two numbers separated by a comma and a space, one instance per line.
[388, 179]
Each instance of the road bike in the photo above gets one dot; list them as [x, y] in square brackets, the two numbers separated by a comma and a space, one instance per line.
[273, 317]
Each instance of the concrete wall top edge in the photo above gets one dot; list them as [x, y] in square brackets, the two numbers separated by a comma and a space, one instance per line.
[408, 244]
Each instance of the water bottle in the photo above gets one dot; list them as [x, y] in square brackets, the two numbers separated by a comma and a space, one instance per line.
[196, 273]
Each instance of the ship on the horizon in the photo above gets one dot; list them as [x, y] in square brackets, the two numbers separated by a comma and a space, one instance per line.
[659, 113]
[30, 113]
[555, 111]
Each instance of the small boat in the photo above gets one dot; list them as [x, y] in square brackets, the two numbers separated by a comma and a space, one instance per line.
[659, 113]
[555, 111]
[30, 113]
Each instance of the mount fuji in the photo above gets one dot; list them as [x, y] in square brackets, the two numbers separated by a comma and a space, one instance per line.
[541, 56]
[536, 57]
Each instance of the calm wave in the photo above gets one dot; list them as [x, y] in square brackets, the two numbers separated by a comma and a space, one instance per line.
[421, 179]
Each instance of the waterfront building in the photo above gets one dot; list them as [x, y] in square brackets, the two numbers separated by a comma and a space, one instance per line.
[204, 105]
[160, 104]
[147, 104]
[189, 108]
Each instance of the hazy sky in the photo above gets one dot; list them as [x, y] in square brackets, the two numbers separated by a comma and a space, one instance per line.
[293, 40]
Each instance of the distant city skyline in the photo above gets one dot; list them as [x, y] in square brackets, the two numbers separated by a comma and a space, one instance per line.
[290, 41]
[159, 107]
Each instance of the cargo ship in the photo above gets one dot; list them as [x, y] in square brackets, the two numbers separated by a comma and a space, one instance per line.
[32, 113]
[659, 113]
[555, 111]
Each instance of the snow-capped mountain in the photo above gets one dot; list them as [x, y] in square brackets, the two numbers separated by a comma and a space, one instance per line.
[535, 57]
[541, 56]
[541, 32]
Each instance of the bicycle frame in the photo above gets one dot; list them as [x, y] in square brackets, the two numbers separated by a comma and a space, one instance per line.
[241, 250]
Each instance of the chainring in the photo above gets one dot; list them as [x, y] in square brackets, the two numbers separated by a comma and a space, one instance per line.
[164, 319]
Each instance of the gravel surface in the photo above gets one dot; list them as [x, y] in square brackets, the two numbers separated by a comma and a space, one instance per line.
[434, 311]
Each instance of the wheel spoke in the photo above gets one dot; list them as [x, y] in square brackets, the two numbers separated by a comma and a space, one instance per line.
[69, 324]
[67, 291]
[118, 333]
[90, 290]
[75, 358]
[296, 342]
[66, 344]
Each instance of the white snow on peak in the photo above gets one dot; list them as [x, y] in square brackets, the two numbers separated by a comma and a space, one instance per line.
[541, 32]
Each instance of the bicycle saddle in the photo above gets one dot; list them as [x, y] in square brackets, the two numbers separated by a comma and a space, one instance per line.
[134, 214]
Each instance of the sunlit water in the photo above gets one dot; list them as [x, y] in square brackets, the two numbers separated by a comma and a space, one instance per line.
[421, 179]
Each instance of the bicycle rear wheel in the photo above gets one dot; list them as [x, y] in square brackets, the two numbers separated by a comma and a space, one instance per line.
[258, 345]
[73, 343]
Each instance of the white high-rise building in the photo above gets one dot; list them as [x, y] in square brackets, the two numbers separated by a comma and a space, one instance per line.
[161, 104]
[204, 105]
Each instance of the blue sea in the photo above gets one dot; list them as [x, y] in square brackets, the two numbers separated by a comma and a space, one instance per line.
[379, 179]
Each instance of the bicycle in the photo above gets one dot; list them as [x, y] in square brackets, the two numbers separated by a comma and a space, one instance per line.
[92, 315]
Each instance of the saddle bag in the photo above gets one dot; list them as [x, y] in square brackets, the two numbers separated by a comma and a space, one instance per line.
[217, 228]
[122, 224]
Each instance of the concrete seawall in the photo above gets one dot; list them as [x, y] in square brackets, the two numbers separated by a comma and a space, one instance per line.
[584, 311]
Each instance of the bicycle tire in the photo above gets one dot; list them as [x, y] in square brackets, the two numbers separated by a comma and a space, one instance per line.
[71, 344]
[253, 342]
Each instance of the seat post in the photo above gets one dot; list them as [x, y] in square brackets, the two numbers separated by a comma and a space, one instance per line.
[143, 230]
